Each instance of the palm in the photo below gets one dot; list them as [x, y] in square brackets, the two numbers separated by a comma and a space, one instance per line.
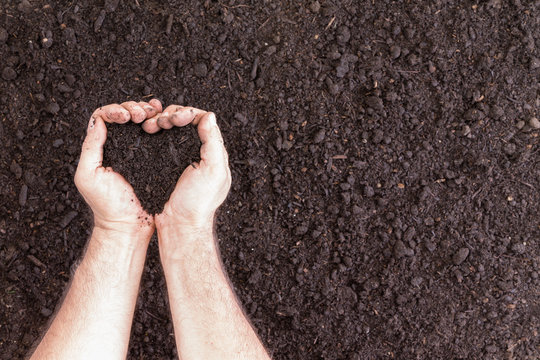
[113, 199]
[190, 197]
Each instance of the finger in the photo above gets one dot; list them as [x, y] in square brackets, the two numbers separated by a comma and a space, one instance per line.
[212, 150]
[151, 126]
[136, 112]
[185, 115]
[163, 120]
[164, 123]
[92, 149]
[113, 113]
[152, 108]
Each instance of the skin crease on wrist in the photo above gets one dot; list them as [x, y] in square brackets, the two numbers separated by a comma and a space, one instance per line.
[95, 318]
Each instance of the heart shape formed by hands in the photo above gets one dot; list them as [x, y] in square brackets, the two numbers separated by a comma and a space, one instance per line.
[201, 189]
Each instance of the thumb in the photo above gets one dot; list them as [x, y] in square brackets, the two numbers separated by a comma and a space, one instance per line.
[212, 149]
[92, 149]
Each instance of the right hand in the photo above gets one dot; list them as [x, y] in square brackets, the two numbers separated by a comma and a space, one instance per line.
[203, 186]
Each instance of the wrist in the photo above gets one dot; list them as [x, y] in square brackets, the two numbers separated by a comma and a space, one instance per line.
[166, 223]
[177, 240]
[120, 237]
[116, 253]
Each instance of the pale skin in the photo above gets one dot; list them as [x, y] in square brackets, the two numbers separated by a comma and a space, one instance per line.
[94, 321]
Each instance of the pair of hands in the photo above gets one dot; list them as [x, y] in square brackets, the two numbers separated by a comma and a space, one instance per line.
[201, 189]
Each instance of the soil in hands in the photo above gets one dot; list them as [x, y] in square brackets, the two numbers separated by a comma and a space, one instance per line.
[151, 163]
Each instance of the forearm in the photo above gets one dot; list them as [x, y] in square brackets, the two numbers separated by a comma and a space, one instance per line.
[97, 311]
[208, 320]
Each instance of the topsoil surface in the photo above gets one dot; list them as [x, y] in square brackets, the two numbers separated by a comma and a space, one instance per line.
[385, 158]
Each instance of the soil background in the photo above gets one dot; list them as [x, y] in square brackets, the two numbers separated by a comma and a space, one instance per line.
[385, 161]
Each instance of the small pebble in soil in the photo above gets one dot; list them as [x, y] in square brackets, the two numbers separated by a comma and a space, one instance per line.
[319, 137]
[47, 39]
[417, 281]
[9, 73]
[58, 143]
[39, 98]
[534, 123]
[333, 88]
[509, 148]
[519, 248]
[200, 70]
[3, 35]
[343, 35]
[270, 50]
[16, 169]
[68, 218]
[53, 108]
[368, 191]
[315, 7]
[460, 256]
[111, 5]
[23, 195]
[535, 63]
[400, 250]
[24, 6]
[70, 79]
[242, 118]
[395, 51]
[374, 102]
[465, 130]
[46, 312]
[99, 20]
[496, 112]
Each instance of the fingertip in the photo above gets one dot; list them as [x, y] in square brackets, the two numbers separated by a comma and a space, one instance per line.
[92, 149]
[97, 130]
[138, 114]
[207, 122]
[124, 116]
[151, 126]
[115, 113]
[156, 104]
[211, 118]
[164, 122]
[178, 119]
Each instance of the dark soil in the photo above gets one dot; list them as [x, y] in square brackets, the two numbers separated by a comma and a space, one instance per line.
[152, 164]
[385, 161]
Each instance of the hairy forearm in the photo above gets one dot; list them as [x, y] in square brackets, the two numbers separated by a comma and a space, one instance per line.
[208, 320]
[97, 311]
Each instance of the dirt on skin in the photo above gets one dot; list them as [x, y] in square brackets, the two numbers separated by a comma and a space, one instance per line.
[385, 161]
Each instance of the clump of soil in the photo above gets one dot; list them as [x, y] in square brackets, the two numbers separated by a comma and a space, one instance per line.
[151, 163]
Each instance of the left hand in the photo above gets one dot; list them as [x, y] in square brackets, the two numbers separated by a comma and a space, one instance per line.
[111, 198]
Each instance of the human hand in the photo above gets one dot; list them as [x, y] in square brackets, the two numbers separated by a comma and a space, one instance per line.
[203, 186]
[109, 195]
